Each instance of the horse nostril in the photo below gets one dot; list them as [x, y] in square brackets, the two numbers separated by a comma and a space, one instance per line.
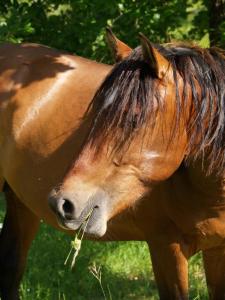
[68, 209]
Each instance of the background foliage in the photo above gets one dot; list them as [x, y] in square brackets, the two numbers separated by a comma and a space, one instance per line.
[79, 25]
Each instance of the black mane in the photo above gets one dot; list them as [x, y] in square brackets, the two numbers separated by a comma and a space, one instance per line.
[133, 92]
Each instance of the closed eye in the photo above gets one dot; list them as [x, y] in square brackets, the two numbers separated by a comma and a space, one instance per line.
[116, 163]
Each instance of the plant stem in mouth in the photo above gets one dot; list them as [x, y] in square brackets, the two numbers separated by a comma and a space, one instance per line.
[76, 243]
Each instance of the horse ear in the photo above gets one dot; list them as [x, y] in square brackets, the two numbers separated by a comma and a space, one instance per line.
[157, 62]
[119, 49]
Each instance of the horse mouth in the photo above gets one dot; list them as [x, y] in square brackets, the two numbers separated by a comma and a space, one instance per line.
[90, 224]
[68, 225]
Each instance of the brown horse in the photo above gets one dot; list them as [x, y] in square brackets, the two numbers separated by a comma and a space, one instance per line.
[150, 113]
[158, 107]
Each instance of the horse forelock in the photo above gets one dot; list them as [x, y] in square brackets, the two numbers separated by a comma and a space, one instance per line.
[123, 101]
[129, 97]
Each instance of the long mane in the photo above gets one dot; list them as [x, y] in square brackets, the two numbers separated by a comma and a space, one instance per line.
[129, 97]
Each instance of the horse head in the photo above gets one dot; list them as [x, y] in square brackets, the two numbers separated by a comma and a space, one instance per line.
[143, 124]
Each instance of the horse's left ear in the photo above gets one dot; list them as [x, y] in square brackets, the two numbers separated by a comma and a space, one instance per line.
[157, 62]
[118, 48]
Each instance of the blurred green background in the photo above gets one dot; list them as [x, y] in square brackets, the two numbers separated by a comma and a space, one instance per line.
[79, 27]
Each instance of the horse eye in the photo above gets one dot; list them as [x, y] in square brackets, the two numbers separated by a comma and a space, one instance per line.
[116, 163]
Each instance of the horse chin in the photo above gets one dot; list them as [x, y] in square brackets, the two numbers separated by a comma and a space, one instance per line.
[67, 225]
[96, 229]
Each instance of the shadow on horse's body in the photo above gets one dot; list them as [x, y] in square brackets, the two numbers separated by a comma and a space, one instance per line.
[44, 95]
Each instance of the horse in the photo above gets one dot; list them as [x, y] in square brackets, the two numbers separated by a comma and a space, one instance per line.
[156, 145]
[100, 157]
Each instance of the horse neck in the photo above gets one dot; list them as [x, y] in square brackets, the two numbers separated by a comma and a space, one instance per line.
[212, 185]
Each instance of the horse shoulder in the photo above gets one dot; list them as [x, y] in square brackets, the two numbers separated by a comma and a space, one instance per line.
[197, 206]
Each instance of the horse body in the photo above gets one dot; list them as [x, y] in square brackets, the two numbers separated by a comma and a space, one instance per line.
[34, 85]
[44, 95]
[35, 94]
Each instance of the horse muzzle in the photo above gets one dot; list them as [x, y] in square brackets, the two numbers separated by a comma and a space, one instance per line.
[91, 218]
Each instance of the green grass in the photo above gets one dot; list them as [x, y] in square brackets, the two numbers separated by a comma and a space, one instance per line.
[125, 267]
